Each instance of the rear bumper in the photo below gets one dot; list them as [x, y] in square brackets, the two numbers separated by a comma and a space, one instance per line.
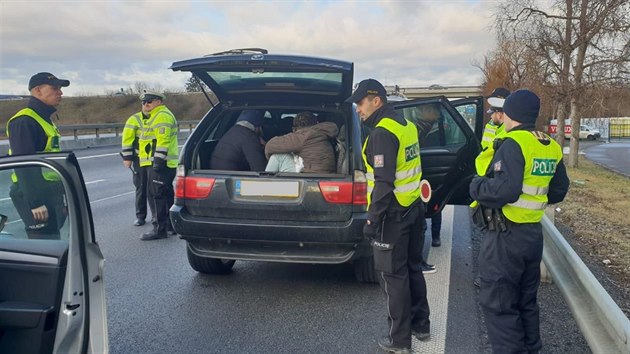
[272, 241]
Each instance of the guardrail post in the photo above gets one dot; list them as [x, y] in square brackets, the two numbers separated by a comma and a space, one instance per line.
[97, 135]
[116, 131]
[76, 134]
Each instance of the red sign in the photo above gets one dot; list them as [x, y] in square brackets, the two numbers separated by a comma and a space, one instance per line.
[553, 128]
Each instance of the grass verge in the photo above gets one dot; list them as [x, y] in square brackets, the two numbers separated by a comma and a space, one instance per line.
[596, 212]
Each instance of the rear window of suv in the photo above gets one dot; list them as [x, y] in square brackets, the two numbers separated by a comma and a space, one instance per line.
[307, 81]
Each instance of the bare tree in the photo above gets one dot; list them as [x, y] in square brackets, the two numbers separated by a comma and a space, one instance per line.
[583, 42]
[513, 65]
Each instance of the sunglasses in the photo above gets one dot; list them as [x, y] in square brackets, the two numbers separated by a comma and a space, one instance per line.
[147, 101]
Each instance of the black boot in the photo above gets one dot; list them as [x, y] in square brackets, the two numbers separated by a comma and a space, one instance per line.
[139, 222]
[387, 346]
[435, 242]
[153, 235]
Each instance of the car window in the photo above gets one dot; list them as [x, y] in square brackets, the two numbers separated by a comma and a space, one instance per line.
[469, 112]
[442, 129]
[33, 204]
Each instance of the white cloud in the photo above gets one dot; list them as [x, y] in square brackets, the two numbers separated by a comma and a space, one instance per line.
[103, 45]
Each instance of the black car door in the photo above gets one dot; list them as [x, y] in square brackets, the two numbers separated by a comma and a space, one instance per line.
[51, 282]
[448, 149]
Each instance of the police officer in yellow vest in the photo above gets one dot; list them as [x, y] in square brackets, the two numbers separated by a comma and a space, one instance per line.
[158, 149]
[526, 174]
[494, 129]
[130, 151]
[38, 195]
[391, 154]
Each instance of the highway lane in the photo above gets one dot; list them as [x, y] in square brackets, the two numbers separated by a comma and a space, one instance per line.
[158, 304]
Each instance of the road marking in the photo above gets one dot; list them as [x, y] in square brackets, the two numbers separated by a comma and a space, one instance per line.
[92, 202]
[95, 156]
[97, 181]
[3, 199]
[438, 287]
[106, 155]
[112, 197]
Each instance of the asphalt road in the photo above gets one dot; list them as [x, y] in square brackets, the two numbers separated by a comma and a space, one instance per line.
[158, 304]
[614, 156]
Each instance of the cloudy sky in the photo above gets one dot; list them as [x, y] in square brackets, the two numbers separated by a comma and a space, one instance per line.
[107, 45]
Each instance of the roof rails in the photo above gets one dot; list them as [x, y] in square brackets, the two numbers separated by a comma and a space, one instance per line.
[240, 51]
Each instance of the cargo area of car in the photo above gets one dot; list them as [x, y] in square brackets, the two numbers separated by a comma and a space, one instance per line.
[260, 197]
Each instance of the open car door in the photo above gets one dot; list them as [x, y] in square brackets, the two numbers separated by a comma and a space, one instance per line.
[52, 297]
[448, 150]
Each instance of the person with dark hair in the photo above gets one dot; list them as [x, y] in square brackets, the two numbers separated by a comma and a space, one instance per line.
[310, 141]
[38, 194]
[395, 212]
[241, 148]
[525, 175]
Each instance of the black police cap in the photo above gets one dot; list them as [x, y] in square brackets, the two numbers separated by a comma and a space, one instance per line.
[367, 87]
[46, 79]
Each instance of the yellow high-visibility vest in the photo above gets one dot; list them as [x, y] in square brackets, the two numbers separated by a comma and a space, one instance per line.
[408, 165]
[159, 138]
[131, 135]
[540, 166]
[52, 141]
[490, 134]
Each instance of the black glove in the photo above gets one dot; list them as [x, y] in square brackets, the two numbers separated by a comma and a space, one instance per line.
[158, 164]
[370, 231]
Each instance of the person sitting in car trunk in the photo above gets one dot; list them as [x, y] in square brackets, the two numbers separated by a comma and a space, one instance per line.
[241, 148]
[310, 140]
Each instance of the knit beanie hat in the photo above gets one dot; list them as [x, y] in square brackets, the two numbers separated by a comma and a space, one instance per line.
[255, 117]
[522, 106]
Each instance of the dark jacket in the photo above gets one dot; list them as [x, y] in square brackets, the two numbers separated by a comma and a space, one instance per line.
[384, 144]
[504, 182]
[239, 150]
[313, 144]
[26, 137]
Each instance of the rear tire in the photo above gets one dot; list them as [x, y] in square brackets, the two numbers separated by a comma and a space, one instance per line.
[364, 270]
[590, 137]
[209, 265]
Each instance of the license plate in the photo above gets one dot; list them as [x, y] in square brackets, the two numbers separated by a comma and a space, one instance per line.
[286, 189]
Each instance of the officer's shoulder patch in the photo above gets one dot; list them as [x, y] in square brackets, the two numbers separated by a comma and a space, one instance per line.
[162, 130]
[497, 166]
[379, 161]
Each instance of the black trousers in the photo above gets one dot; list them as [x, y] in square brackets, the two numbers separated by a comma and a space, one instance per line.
[163, 196]
[57, 212]
[397, 259]
[141, 182]
[436, 225]
[509, 267]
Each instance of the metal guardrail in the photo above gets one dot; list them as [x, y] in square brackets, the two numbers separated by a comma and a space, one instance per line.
[603, 324]
[98, 129]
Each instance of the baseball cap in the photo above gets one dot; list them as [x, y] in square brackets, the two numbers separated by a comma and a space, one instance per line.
[46, 79]
[498, 96]
[151, 95]
[367, 87]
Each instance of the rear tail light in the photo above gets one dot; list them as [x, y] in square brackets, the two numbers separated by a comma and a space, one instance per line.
[359, 194]
[193, 187]
[346, 192]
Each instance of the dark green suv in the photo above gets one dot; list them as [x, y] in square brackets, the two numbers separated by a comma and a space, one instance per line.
[298, 217]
